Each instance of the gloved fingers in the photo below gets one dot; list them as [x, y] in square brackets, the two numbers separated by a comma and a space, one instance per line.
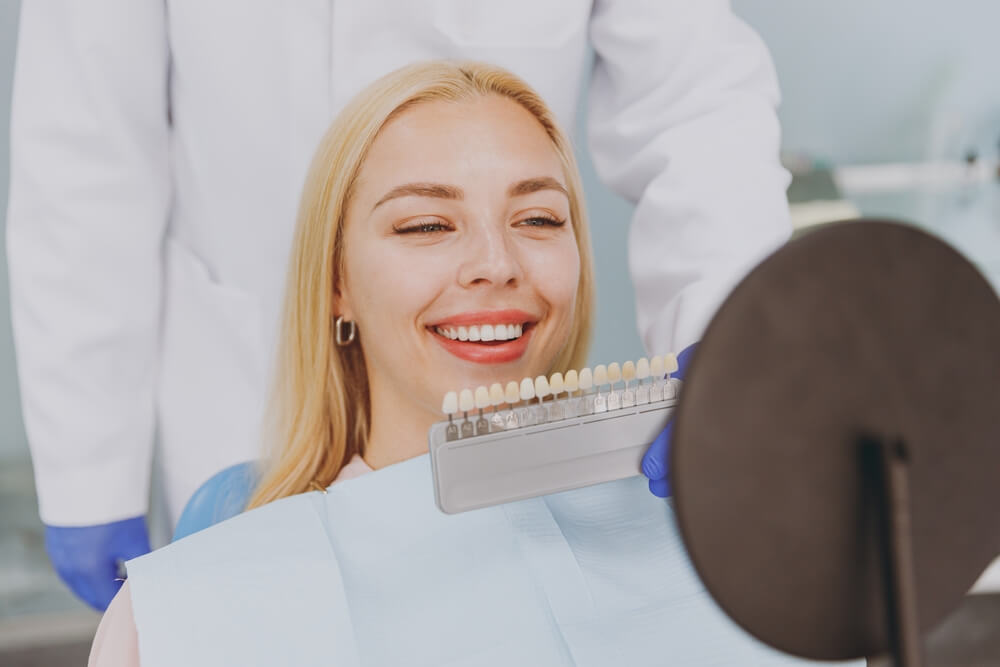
[660, 487]
[655, 460]
[133, 547]
[95, 586]
[105, 588]
[86, 557]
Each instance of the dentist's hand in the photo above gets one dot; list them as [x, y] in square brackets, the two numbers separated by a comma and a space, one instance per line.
[86, 557]
[657, 457]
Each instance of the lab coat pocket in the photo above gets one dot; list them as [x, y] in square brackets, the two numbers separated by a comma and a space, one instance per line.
[523, 23]
[212, 374]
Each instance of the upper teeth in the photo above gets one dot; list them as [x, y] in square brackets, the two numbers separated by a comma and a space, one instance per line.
[486, 332]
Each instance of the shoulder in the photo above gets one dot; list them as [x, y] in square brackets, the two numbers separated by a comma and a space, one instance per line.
[356, 467]
[116, 643]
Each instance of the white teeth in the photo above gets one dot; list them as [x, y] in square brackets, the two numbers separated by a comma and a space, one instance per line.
[482, 332]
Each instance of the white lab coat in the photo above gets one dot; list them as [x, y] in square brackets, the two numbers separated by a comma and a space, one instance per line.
[159, 148]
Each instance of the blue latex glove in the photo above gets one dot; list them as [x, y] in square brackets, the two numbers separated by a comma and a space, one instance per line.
[87, 558]
[656, 461]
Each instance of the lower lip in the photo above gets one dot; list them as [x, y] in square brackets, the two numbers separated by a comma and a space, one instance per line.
[492, 353]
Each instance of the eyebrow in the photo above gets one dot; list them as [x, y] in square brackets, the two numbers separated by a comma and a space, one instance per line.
[421, 190]
[441, 191]
[530, 185]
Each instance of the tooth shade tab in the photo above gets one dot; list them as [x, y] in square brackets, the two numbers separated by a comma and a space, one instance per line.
[642, 368]
[656, 367]
[527, 389]
[542, 387]
[614, 372]
[556, 383]
[466, 402]
[670, 363]
[572, 381]
[450, 405]
[482, 397]
[496, 394]
[586, 379]
[512, 394]
[600, 375]
[628, 371]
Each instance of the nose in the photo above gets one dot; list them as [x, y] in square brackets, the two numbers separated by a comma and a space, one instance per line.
[490, 258]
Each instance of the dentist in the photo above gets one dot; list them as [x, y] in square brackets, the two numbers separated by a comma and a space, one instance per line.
[158, 151]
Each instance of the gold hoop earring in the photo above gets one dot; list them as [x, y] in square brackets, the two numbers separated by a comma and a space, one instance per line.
[338, 331]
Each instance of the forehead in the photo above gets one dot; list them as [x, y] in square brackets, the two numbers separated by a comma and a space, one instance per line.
[451, 141]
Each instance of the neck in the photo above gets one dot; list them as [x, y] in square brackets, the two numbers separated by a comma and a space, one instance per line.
[398, 430]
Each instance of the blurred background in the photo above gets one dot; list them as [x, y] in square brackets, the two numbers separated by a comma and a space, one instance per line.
[890, 108]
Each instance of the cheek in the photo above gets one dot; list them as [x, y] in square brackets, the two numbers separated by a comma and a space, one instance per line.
[555, 275]
[390, 288]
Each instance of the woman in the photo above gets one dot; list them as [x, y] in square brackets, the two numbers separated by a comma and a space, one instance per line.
[444, 196]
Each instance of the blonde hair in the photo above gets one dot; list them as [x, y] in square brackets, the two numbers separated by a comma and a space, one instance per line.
[319, 413]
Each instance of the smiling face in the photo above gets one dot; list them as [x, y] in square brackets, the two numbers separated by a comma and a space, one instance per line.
[458, 228]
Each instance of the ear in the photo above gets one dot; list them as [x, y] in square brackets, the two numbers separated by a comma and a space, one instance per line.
[342, 303]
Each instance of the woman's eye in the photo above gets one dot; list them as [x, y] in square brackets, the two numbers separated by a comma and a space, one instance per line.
[423, 228]
[542, 221]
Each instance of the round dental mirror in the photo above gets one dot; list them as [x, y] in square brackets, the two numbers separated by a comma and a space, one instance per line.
[860, 330]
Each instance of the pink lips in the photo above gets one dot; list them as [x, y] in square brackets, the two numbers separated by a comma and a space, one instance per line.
[510, 316]
[497, 352]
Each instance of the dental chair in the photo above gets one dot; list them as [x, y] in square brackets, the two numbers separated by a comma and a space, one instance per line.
[222, 496]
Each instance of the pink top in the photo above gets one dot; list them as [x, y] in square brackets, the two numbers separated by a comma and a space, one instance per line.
[117, 644]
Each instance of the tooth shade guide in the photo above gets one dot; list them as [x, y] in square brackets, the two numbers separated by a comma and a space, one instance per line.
[614, 398]
[556, 384]
[656, 367]
[527, 389]
[482, 398]
[466, 401]
[628, 371]
[600, 376]
[450, 404]
[642, 393]
[551, 405]
[614, 373]
[504, 465]
[541, 387]
[496, 394]
[670, 364]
